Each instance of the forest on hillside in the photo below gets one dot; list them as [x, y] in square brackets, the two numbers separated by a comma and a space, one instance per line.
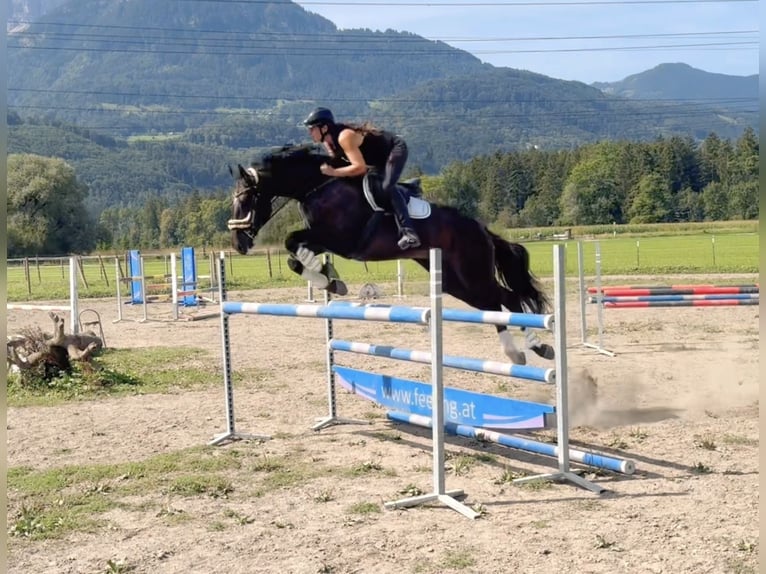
[671, 179]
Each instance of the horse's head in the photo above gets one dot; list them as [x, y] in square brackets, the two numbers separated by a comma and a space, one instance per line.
[289, 171]
[243, 223]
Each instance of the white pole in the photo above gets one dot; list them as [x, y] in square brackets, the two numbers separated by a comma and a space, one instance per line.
[599, 298]
[118, 283]
[310, 293]
[439, 493]
[143, 289]
[174, 285]
[583, 293]
[74, 320]
[399, 279]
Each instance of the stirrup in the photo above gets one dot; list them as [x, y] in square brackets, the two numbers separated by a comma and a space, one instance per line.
[408, 240]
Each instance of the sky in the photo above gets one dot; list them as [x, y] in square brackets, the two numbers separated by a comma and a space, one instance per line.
[583, 40]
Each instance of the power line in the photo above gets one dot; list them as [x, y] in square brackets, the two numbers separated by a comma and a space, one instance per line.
[394, 100]
[371, 36]
[323, 52]
[429, 4]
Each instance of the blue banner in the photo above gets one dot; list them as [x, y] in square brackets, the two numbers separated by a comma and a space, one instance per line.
[460, 406]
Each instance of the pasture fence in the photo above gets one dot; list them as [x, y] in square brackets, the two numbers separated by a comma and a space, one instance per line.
[71, 308]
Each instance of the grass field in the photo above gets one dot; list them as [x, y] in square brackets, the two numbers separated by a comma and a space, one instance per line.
[651, 254]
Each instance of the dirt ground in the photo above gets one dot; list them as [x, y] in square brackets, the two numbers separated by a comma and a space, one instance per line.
[680, 398]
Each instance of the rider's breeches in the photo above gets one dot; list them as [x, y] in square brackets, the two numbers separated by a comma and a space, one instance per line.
[393, 171]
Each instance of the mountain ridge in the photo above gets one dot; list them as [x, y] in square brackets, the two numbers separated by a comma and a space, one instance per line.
[681, 81]
[244, 76]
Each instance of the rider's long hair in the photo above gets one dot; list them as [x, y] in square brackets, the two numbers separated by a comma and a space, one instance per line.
[364, 128]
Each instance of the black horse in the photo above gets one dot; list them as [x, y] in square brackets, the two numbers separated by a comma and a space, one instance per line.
[479, 267]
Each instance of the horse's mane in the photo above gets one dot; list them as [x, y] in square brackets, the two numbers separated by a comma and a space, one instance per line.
[291, 152]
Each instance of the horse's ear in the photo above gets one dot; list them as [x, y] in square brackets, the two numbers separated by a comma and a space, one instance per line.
[231, 170]
[242, 171]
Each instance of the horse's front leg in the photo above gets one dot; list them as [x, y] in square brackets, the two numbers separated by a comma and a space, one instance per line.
[304, 260]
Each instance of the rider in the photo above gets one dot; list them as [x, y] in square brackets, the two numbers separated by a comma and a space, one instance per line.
[360, 146]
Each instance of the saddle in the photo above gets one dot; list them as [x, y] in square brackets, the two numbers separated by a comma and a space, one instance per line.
[417, 207]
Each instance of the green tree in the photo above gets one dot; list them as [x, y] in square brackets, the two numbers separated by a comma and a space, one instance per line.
[46, 208]
[744, 200]
[652, 201]
[592, 192]
[689, 206]
[460, 189]
[715, 201]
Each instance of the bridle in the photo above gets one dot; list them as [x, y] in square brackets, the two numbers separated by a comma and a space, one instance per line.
[245, 224]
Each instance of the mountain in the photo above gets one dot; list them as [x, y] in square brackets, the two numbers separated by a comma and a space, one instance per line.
[129, 61]
[681, 82]
[28, 10]
[234, 77]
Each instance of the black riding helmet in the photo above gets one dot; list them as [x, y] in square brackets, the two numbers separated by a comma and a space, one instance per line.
[319, 117]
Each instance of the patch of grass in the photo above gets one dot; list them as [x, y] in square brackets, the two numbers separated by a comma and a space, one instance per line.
[748, 546]
[705, 443]
[55, 517]
[509, 475]
[617, 442]
[172, 515]
[739, 440]
[364, 508]
[479, 509]
[462, 464]
[118, 567]
[739, 565]
[588, 505]
[603, 543]
[324, 496]
[387, 436]
[411, 490]
[53, 502]
[373, 415]
[194, 485]
[288, 477]
[240, 519]
[701, 468]
[364, 468]
[119, 372]
[638, 433]
[269, 464]
[458, 559]
[538, 484]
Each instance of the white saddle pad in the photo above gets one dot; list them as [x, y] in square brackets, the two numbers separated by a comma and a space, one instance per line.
[418, 208]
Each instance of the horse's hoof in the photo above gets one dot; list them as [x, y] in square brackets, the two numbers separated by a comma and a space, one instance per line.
[294, 265]
[329, 271]
[518, 358]
[545, 351]
[337, 287]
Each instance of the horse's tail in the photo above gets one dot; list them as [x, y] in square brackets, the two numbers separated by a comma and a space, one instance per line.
[512, 266]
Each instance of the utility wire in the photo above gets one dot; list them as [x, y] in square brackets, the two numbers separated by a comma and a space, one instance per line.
[373, 36]
[394, 100]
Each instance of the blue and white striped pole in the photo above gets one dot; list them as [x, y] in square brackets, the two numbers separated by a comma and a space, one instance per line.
[530, 320]
[390, 314]
[527, 372]
[589, 458]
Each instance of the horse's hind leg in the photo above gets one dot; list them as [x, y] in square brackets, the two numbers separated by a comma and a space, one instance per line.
[304, 260]
[485, 297]
[512, 302]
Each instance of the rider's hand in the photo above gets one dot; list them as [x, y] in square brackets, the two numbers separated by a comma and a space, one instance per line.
[326, 169]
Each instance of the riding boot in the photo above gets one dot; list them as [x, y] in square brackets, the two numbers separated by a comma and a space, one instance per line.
[408, 238]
